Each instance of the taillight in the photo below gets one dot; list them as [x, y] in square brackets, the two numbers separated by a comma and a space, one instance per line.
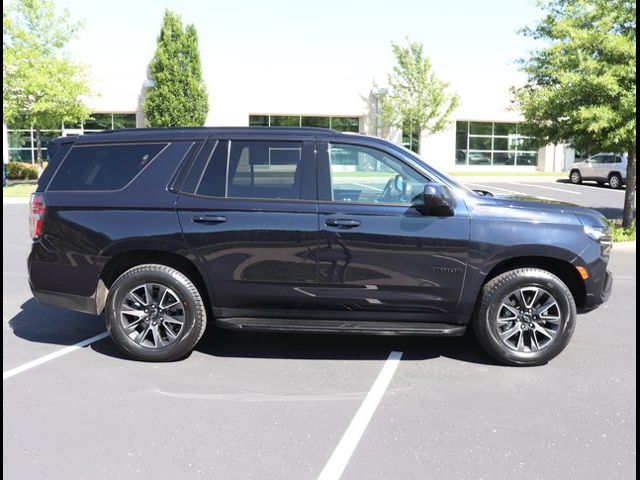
[36, 218]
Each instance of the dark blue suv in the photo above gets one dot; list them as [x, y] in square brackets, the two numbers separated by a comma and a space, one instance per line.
[305, 230]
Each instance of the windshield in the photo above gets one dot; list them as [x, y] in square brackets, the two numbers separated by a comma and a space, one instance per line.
[441, 176]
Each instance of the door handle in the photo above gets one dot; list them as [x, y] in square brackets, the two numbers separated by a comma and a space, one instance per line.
[342, 222]
[209, 219]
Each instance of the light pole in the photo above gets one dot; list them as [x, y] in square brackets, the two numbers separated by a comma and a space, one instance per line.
[378, 92]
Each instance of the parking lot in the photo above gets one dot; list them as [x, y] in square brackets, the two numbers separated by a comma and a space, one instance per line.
[588, 194]
[277, 406]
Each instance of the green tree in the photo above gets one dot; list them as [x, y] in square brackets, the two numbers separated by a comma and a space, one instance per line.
[41, 87]
[178, 97]
[417, 99]
[581, 85]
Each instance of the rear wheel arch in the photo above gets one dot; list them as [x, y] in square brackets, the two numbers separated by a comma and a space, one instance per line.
[124, 261]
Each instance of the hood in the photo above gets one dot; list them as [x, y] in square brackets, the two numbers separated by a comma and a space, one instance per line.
[587, 216]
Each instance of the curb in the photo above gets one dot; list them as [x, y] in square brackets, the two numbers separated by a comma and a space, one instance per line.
[15, 200]
[624, 246]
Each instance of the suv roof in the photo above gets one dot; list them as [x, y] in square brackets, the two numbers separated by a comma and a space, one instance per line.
[193, 133]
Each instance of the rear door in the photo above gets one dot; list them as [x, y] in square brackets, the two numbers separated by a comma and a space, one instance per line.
[591, 168]
[605, 166]
[248, 210]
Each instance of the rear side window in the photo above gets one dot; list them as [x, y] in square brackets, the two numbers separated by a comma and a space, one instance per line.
[253, 169]
[103, 167]
[265, 170]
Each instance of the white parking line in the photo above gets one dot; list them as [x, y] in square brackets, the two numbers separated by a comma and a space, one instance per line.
[349, 441]
[498, 188]
[52, 356]
[369, 186]
[602, 189]
[549, 188]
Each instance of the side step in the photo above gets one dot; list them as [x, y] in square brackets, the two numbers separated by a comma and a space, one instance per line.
[337, 326]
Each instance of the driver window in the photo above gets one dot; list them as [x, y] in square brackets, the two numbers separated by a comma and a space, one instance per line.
[365, 175]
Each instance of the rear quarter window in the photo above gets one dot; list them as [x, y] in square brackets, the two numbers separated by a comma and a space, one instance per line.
[103, 167]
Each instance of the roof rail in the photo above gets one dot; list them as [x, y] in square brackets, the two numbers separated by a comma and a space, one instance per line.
[162, 129]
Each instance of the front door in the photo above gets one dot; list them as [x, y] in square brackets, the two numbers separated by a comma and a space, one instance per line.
[248, 209]
[380, 258]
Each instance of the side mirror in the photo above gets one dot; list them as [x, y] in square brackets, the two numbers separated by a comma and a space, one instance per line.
[436, 201]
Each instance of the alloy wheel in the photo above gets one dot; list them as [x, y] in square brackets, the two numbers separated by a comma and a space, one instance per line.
[152, 315]
[528, 319]
[614, 182]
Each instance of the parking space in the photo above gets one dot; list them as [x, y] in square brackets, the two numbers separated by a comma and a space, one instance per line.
[276, 406]
[608, 201]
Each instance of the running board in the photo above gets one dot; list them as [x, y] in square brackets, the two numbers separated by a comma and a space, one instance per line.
[336, 326]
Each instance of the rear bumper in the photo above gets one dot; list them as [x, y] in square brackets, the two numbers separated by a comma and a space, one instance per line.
[67, 300]
[598, 293]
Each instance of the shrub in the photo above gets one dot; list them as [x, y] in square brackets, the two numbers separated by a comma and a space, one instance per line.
[21, 171]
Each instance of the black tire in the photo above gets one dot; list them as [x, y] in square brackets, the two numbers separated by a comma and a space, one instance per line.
[575, 177]
[485, 321]
[191, 305]
[615, 181]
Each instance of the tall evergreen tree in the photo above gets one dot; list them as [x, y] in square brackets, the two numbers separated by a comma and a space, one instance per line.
[178, 97]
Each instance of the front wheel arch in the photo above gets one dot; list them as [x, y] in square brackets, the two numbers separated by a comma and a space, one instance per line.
[562, 269]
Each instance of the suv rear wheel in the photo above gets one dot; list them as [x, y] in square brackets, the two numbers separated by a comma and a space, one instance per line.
[575, 176]
[155, 313]
[525, 317]
[615, 180]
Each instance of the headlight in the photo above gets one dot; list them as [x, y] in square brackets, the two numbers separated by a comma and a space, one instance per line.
[597, 233]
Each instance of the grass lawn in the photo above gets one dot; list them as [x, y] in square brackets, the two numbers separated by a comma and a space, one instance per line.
[623, 234]
[18, 190]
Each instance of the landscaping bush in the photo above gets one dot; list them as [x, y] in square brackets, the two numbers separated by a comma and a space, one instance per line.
[21, 171]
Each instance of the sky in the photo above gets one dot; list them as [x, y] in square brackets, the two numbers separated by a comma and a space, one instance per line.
[310, 44]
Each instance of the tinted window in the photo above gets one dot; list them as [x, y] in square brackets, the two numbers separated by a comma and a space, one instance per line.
[103, 167]
[212, 181]
[265, 170]
[365, 175]
[598, 159]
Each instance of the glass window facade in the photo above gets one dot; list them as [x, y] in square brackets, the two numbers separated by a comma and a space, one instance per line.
[22, 141]
[411, 137]
[488, 143]
[342, 124]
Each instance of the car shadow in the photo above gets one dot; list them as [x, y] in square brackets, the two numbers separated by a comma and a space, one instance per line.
[40, 323]
[44, 324]
[587, 183]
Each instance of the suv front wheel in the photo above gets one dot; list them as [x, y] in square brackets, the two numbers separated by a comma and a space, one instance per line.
[615, 181]
[155, 313]
[525, 317]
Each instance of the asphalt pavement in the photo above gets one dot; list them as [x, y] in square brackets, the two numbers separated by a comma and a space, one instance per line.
[277, 406]
[606, 200]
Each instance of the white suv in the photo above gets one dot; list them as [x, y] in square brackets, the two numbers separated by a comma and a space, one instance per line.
[608, 168]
